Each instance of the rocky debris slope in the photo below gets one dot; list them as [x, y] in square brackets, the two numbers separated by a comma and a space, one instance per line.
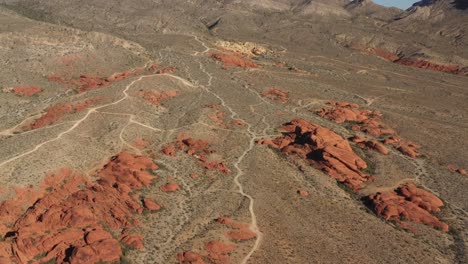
[71, 219]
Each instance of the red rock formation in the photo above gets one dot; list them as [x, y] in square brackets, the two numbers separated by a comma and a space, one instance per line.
[391, 140]
[409, 149]
[340, 112]
[425, 64]
[238, 122]
[242, 231]
[85, 82]
[133, 241]
[66, 218]
[189, 257]
[169, 150]
[218, 117]
[233, 60]
[194, 176]
[26, 90]
[369, 144]
[219, 247]
[57, 112]
[413, 61]
[303, 193]
[170, 187]
[455, 168]
[151, 205]
[324, 149]
[408, 203]
[198, 149]
[155, 97]
[277, 94]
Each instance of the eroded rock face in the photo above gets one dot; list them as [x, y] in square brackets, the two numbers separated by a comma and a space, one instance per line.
[26, 90]
[69, 218]
[409, 149]
[413, 61]
[324, 149]
[408, 203]
[151, 205]
[455, 168]
[170, 187]
[425, 64]
[57, 112]
[232, 60]
[276, 94]
[369, 144]
[198, 149]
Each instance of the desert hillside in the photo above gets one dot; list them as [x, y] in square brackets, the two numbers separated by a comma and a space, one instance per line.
[210, 132]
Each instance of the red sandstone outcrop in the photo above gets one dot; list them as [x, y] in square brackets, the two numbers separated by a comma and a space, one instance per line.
[276, 94]
[413, 61]
[303, 193]
[66, 219]
[324, 149]
[155, 97]
[198, 149]
[429, 65]
[189, 257]
[233, 60]
[408, 203]
[218, 251]
[409, 149]
[90, 82]
[369, 144]
[455, 168]
[133, 241]
[238, 122]
[170, 187]
[218, 117]
[194, 176]
[219, 247]
[57, 112]
[26, 90]
[391, 140]
[370, 123]
[151, 205]
[242, 230]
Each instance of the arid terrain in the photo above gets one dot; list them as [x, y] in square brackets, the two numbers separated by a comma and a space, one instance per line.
[222, 131]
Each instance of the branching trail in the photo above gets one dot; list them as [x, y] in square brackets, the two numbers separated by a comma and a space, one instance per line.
[77, 123]
[253, 224]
